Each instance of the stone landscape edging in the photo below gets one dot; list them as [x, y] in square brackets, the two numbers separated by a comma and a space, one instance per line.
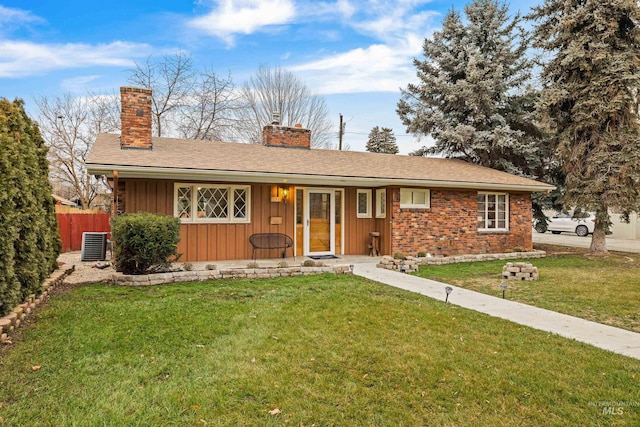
[410, 264]
[224, 273]
[479, 257]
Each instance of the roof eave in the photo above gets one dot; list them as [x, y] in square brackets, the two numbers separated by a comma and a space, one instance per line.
[299, 179]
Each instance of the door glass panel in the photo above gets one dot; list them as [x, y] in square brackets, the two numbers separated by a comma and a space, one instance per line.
[319, 222]
[299, 222]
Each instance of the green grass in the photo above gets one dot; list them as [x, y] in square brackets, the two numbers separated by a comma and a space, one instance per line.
[324, 350]
[605, 289]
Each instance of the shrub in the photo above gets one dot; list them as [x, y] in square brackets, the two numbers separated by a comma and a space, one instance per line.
[399, 255]
[283, 264]
[253, 265]
[145, 242]
[187, 266]
[309, 263]
[211, 267]
[422, 254]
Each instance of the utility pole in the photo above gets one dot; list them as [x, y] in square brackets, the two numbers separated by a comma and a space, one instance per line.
[340, 133]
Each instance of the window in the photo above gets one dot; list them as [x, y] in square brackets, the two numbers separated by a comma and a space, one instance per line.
[212, 203]
[363, 200]
[381, 203]
[493, 211]
[413, 198]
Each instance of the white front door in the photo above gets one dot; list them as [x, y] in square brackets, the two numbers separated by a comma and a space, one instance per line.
[319, 222]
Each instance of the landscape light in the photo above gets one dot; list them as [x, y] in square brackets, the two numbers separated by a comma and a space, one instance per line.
[448, 290]
[503, 286]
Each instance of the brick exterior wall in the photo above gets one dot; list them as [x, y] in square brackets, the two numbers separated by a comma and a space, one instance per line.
[136, 118]
[450, 226]
[285, 136]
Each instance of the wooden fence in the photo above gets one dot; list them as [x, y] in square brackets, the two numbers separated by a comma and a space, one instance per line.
[71, 227]
[72, 209]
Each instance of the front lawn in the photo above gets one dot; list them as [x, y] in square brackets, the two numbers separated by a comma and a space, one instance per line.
[605, 289]
[323, 350]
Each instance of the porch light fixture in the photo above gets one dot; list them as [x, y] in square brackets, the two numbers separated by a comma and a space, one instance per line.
[503, 286]
[285, 194]
[448, 290]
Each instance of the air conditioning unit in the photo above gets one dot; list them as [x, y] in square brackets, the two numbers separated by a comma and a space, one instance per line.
[94, 246]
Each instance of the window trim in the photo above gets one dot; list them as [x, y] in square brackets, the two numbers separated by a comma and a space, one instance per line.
[506, 211]
[366, 214]
[426, 205]
[230, 219]
[381, 209]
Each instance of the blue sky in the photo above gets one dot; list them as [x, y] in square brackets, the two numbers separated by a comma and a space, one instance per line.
[356, 53]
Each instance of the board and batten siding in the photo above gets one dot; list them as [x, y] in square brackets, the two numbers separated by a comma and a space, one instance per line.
[357, 239]
[220, 241]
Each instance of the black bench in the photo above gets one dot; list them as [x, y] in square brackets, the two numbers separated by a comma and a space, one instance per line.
[271, 241]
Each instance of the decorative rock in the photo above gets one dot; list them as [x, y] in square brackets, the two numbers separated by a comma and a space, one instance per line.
[4, 324]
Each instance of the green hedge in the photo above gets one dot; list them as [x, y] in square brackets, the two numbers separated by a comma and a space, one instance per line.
[29, 239]
[145, 242]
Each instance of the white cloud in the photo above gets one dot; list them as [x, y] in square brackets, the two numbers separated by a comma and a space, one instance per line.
[341, 8]
[16, 16]
[387, 20]
[400, 27]
[23, 58]
[377, 68]
[230, 17]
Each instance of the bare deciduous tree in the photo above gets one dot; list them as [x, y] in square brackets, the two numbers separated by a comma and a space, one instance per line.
[208, 112]
[280, 91]
[185, 102]
[171, 79]
[70, 125]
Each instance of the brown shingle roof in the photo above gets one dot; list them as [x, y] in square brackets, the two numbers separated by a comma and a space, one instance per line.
[171, 158]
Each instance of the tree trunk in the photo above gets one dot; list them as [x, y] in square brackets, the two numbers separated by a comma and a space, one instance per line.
[598, 240]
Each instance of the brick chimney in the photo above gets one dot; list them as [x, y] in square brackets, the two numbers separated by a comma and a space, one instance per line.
[275, 135]
[135, 118]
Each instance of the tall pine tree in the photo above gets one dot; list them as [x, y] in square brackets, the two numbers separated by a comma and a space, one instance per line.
[382, 141]
[472, 96]
[590, 102]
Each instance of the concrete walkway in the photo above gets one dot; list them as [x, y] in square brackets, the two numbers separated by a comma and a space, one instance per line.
[606, 337]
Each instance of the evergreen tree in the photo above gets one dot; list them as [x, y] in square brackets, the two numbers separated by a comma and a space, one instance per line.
[9, 285]
[590, 101]
[29, 242]
[48, 236]
[382, 141]
[472, 96]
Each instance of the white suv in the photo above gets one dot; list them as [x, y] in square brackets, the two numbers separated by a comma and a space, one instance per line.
[583, 225]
